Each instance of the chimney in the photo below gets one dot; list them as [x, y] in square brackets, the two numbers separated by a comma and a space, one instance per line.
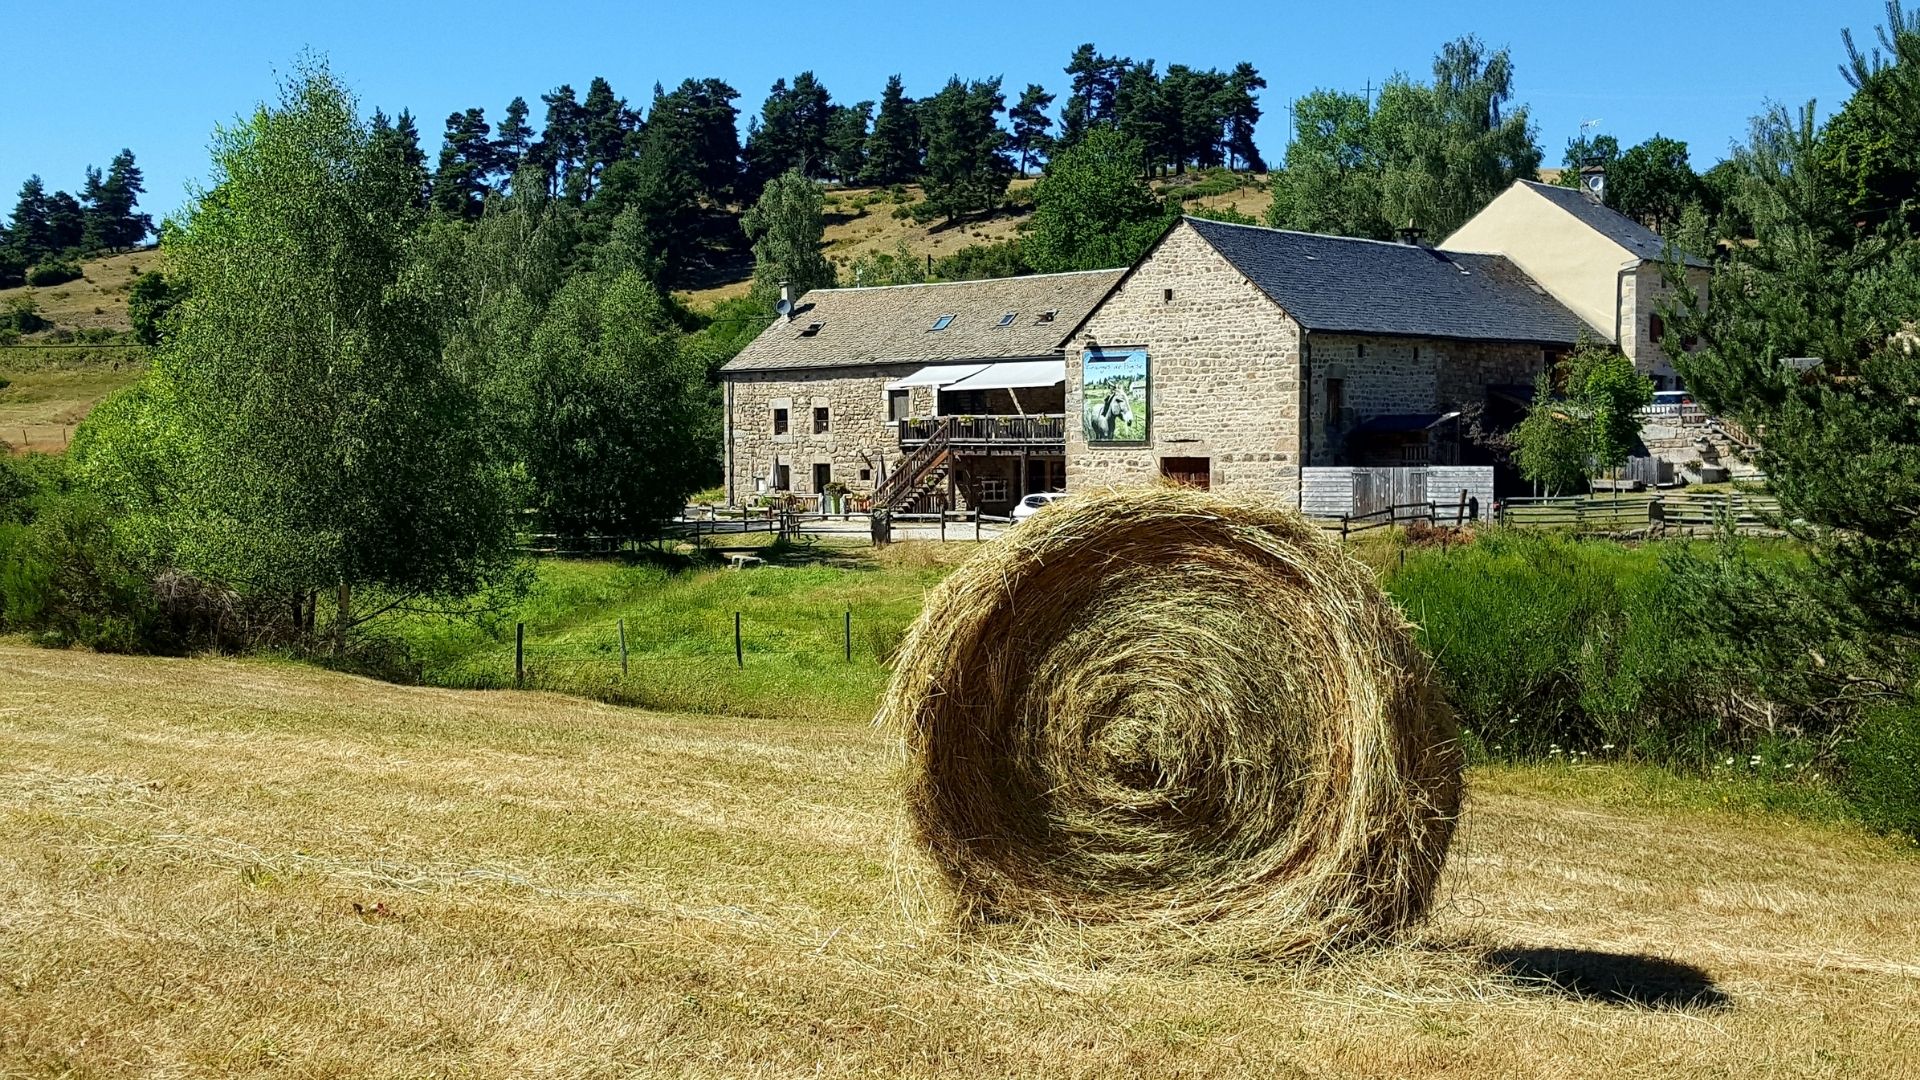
[786, 299]
[1593, 178]
[1411, 234]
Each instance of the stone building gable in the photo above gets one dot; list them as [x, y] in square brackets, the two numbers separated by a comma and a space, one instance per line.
[1223, 371]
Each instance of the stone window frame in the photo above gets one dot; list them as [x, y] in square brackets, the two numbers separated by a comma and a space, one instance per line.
[822, 419]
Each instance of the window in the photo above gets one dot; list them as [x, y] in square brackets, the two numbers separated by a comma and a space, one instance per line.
[1166, 296]
[897, 404]
[1656, 328]
[866, 474]
[783, 478]
[1194, 472]
[1007, 319]
[1336, 400]
[820, 420]
[780, 423]
[943, 322]
[993, 489]
[822, 475]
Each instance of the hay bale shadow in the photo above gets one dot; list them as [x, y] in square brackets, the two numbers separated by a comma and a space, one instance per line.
[1615, 978]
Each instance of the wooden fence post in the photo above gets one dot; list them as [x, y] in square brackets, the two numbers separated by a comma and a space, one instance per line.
[1460, 517]
[943, 524]
[623, 648]
[849, 635]
[739, 656]
[976, 523]
[519, 654]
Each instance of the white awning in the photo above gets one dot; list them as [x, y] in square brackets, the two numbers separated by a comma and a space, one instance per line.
[1014, 375]
[936, 375]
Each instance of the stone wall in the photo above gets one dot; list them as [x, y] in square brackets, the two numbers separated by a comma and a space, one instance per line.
[1642, 293]
[1384, 376]
[1223, 374]
[858, 434]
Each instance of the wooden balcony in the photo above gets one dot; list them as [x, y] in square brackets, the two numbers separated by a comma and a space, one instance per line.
[990, 434]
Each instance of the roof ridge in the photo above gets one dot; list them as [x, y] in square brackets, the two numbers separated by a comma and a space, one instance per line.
[963, 281]
[1315, 235]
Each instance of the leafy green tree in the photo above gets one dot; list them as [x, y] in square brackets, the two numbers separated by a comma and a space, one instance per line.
[1448, 147]
[1550, 444]
[307, 434]
[786, 226]
[150, 301]
[1584, 150]
[1653, 183]
[615, 423]
[1609, 394]
[894, 147]
[1030, 139]
[1332, 179]
[966, 172]
[1091, 210]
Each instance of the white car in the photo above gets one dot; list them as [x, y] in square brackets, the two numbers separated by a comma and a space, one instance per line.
[1034, 503]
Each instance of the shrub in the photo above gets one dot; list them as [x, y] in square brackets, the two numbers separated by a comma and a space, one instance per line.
[976, 261]
[22, 316]
[64, 579]
[53, 273]
[1882, 760]
[1550, 644]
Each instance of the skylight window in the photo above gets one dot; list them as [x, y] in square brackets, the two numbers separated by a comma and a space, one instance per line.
[942, 322]
[1007, 319]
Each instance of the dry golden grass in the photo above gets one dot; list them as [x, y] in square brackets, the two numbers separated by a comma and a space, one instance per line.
[215, 867]
[42, 405]
[97, 300]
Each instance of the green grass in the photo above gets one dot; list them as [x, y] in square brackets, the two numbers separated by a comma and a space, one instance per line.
[679, 626]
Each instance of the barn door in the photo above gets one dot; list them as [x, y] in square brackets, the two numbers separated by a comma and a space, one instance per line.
[1410, 486]
[1372, 491]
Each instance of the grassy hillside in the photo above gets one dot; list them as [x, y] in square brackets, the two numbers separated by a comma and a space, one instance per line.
[52, 383]
[229, 868]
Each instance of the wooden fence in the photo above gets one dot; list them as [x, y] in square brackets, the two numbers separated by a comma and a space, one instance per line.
[1673, 511]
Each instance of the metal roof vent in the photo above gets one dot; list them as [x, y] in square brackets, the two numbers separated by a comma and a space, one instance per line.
[812, 328]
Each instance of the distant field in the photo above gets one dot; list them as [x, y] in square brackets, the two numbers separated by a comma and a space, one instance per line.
[227, 868]
[51, 388]
[98, 300]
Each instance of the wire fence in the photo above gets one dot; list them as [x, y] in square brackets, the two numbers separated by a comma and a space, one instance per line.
[604, 650]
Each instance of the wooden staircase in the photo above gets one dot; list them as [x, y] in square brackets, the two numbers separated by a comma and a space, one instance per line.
[919, 474]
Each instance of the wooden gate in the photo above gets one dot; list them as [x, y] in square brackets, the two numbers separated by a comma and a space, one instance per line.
[1374, 490]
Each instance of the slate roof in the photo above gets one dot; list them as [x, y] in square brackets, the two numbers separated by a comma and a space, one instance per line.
[1342, 284]
[1608, 222]
[892, 324]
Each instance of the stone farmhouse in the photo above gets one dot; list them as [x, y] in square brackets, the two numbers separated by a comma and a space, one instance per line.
[1229, 356]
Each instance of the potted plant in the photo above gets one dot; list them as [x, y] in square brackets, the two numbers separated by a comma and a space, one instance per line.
[833, 492]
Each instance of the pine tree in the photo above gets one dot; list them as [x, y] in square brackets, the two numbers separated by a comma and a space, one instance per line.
[606, 123]
[792, 133]
[893, 150]
[66, 222]
[560, 153]
[466, 161]
[1243, 112]
[697, 123]
[98, 229]
[847, 140]
[1093, 96]
[1031, 125]
[511, 141]
[31, 236]
[397, 141]
[965, 169]
[122, 190]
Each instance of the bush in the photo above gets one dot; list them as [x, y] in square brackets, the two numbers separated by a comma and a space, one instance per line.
[64, 579]
[977, 261]
[22, 316]
[1882, 760]
[53, 273]
[1548, 645]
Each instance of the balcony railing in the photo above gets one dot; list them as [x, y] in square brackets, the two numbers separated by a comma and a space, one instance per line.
[1010, 431]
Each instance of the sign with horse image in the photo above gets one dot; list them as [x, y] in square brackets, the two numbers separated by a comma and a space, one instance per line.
[1113, 395]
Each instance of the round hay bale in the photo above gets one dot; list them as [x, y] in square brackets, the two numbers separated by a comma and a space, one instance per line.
[1165, 709]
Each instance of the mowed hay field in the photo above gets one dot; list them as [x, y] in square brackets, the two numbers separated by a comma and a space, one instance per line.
[213, 867]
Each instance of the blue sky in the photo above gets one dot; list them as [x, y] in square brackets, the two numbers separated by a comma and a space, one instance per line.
[80, 83]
